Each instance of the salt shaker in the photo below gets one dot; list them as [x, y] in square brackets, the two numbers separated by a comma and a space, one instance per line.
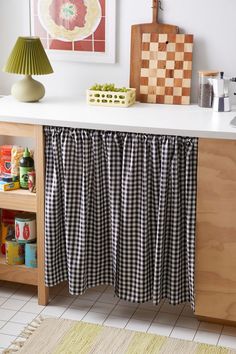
[205, 90]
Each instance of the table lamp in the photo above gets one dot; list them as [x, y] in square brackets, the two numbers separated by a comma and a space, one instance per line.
[28, 57]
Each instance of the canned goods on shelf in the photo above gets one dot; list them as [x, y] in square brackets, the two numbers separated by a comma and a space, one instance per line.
[15, 253]
[32, 181]
[31, 255]
[25, 227]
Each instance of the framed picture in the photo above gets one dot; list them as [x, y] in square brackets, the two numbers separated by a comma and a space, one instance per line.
[75, 30]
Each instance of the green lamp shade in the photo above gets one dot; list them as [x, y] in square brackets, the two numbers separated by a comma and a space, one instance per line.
[28, 57]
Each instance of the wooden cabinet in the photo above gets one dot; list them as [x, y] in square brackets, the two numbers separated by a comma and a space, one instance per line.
[216, 230]
[26, 201]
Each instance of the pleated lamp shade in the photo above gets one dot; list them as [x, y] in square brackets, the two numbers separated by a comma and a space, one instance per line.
[28, 57]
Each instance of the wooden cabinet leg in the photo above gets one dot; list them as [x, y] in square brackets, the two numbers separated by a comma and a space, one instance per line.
[43, 294]
[43, 291]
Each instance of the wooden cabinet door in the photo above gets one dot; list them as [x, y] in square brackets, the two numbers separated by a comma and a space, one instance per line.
[215, 277]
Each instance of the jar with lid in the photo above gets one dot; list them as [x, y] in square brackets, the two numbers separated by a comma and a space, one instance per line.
[205, 89]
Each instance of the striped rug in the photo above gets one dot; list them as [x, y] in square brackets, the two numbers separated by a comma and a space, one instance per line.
[59, 336]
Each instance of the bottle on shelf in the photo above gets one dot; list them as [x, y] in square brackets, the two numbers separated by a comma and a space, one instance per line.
[26, 165]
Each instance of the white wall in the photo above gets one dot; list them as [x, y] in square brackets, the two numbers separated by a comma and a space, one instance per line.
[211, 21]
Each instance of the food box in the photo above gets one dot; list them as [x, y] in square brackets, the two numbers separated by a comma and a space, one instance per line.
[9, 186]
[111, 98]
[5, 159]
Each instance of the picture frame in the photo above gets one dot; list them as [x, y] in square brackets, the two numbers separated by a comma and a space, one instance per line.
[94, 44]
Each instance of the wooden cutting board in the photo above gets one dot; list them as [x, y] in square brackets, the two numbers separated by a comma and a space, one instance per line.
[166, 68]
[137, 32]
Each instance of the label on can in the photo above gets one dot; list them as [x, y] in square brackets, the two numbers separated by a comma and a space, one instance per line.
[15, 253]
[31, 255]
[24, 176]
[32, 181]
[25, 228]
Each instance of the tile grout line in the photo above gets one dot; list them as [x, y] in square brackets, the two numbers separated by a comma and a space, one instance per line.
[53, 297]
[119, 316]
[144, 321]
[155, 316]
[19, 289]
[112, 308]
[131, 317]
[176, 321]
[220, 335]
[77, 296]
[24, 313]
[97, 300]
[90, 306]
[4, 302]
[197, 330]
[9, 320]
[15, 310]
[116, 304]
[36, 315]
[7, 298]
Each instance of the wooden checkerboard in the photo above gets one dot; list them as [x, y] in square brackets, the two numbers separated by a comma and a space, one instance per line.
[166, 69]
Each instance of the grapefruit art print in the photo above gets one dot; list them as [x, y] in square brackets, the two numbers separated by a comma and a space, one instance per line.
[77, 30]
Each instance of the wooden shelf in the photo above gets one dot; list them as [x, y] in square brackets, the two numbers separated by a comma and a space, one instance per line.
[24, 200]
[19, 274]
[22, 130]
[19, 199]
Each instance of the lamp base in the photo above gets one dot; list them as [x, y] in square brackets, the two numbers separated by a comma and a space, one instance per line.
[28, 90]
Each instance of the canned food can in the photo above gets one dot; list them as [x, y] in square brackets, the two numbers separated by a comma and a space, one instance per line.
[15, 253]
[31, 255]
[32, 181]
[25, 228]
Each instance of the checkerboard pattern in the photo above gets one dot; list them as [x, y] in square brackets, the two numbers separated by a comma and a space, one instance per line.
[166, 68]
[123, 225]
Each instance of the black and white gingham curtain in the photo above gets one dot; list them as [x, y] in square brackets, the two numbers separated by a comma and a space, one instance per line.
[120, 210]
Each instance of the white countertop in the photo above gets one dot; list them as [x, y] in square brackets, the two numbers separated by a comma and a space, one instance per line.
[141, 118]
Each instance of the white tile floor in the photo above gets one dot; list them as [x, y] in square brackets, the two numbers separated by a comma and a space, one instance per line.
[18, 307]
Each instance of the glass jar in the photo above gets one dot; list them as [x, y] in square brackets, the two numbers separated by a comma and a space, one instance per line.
[205, 89]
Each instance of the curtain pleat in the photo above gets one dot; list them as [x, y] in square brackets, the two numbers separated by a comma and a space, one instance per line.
[120, 210]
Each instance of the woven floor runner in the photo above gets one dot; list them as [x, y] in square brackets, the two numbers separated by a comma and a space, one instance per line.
[60, 336]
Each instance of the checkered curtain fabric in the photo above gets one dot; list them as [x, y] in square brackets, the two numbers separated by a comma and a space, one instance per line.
[120, 210]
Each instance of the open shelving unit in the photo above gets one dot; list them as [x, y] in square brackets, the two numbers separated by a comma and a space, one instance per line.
[30, 202]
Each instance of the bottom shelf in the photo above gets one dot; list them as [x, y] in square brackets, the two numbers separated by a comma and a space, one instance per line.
[18, 274]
